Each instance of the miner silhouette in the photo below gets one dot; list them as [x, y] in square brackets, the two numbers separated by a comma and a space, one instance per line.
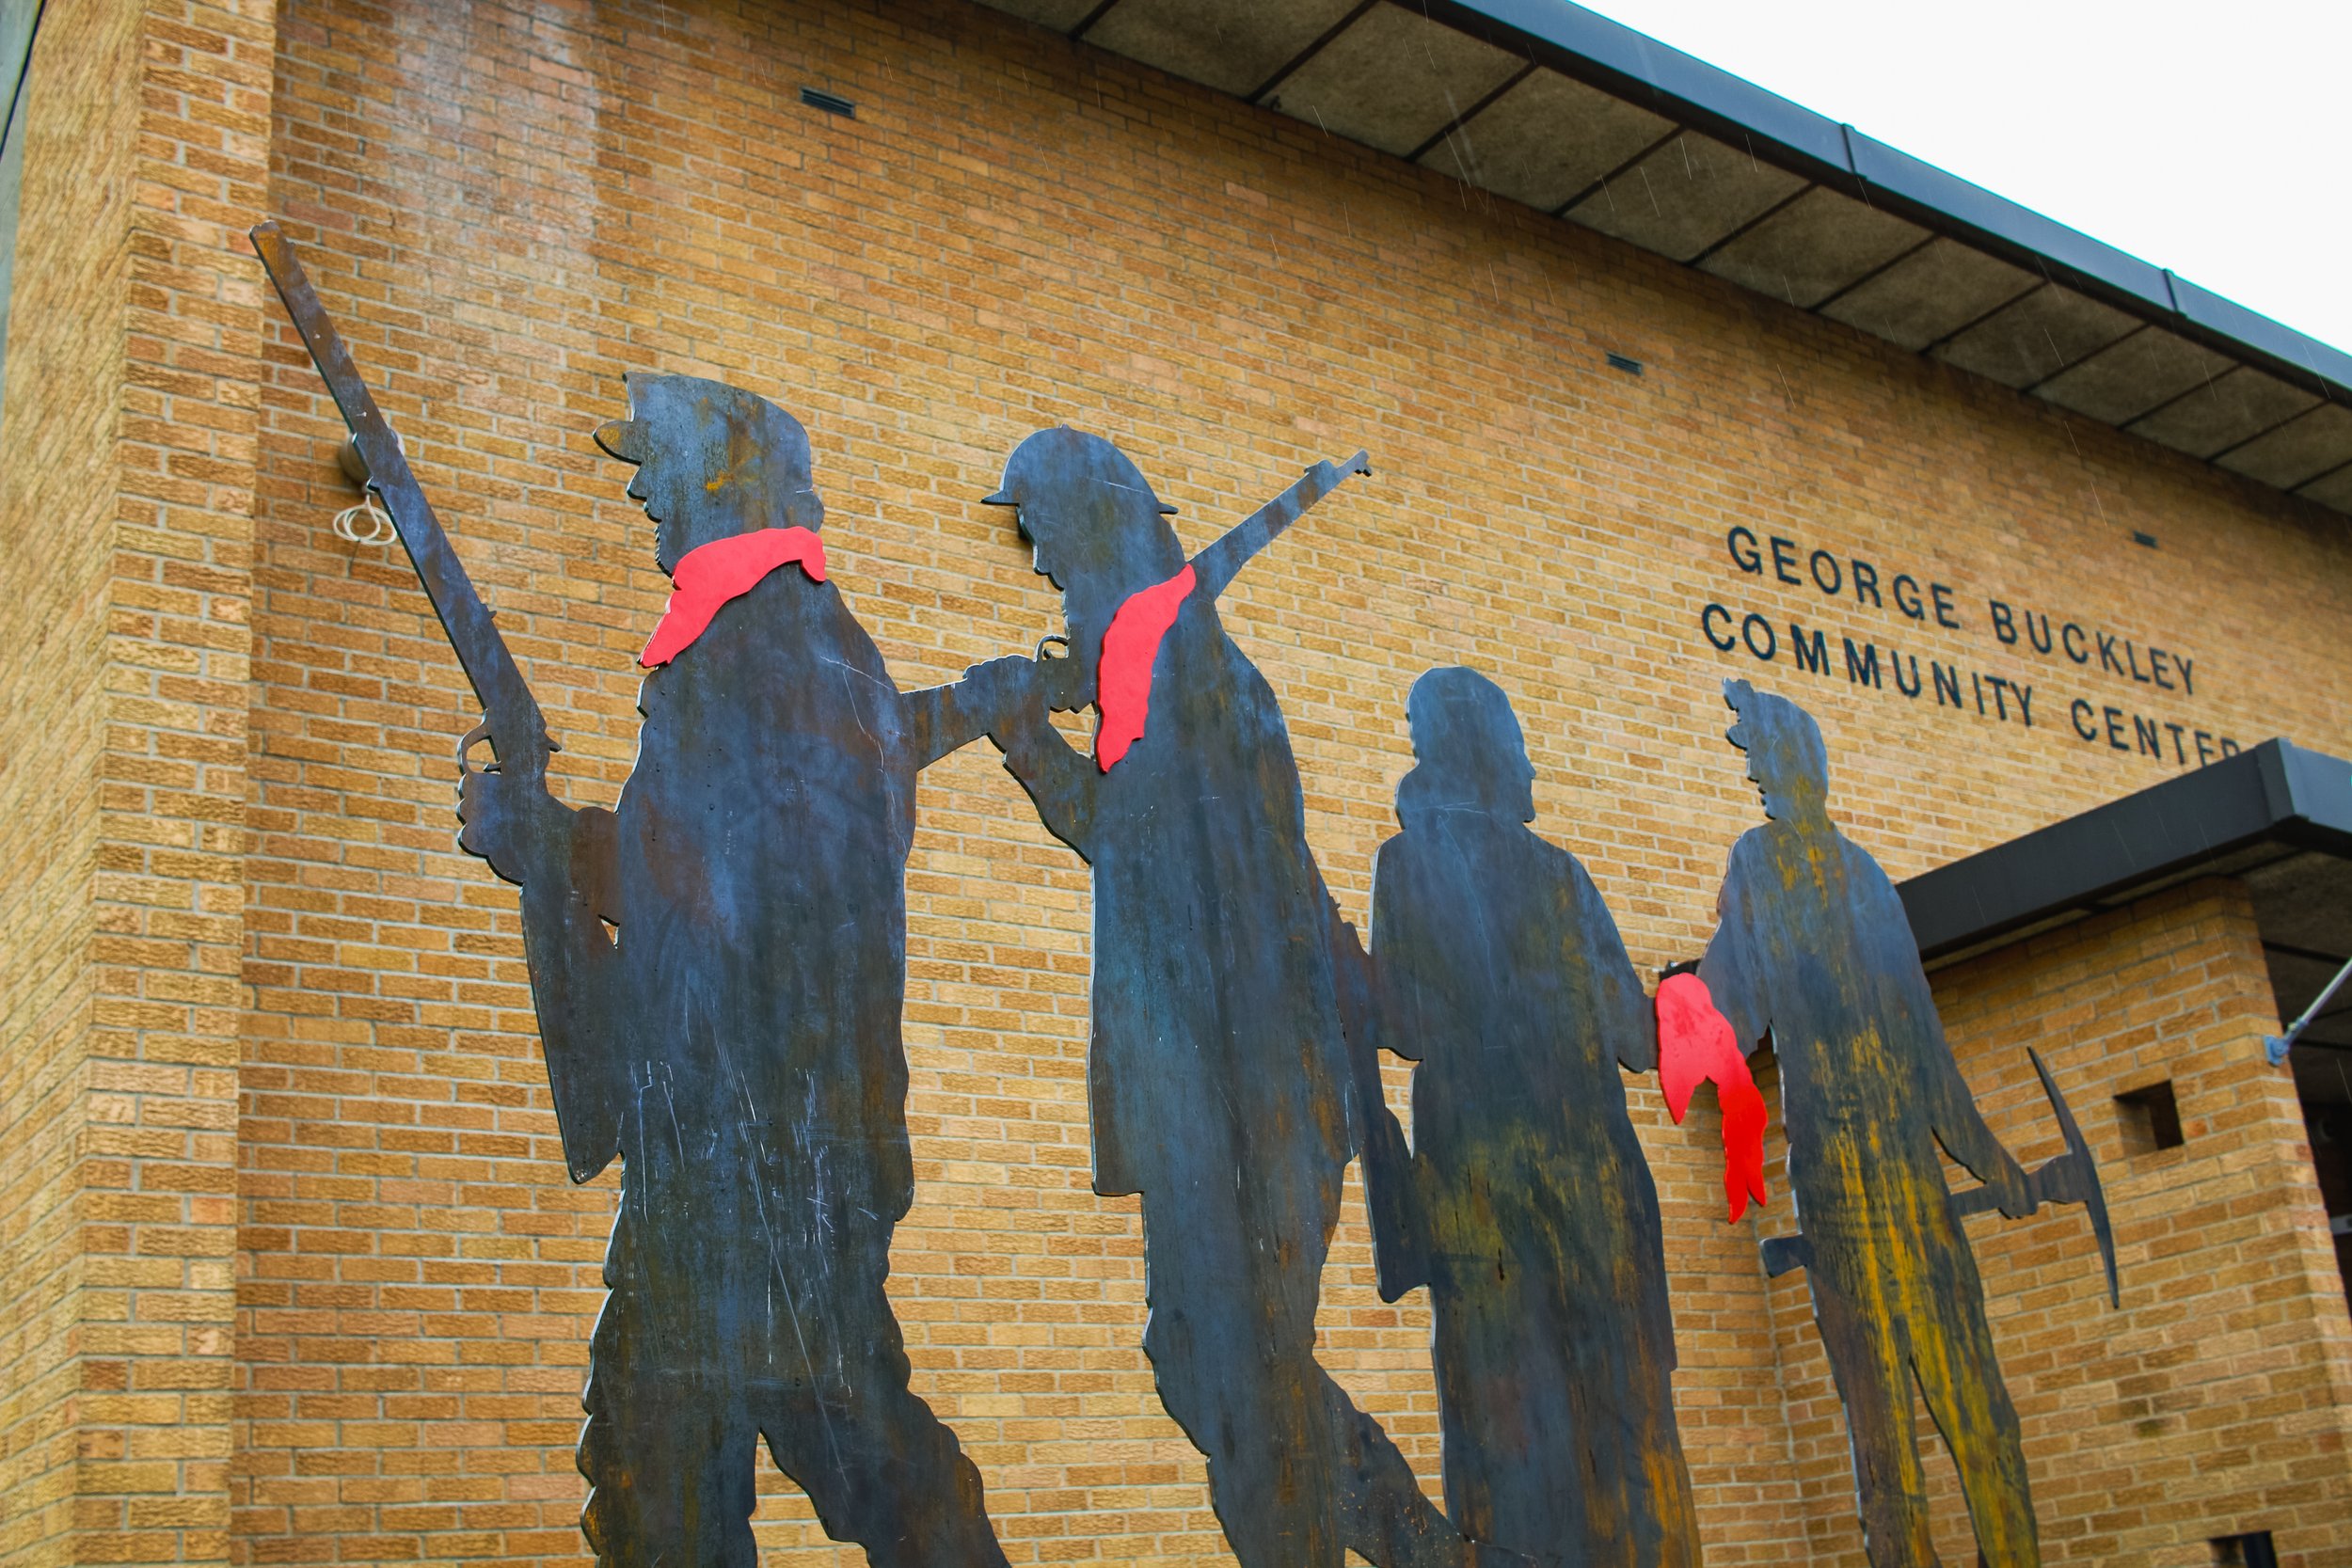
[1217, 1077]
[1813, 947]
[724, 964]
[1525, 1203]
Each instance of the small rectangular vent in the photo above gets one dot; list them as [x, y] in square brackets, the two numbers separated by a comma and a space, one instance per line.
[1620, 362]
[2152, 1117]
[2147, 539]
[2254, 1549]
[833, 104]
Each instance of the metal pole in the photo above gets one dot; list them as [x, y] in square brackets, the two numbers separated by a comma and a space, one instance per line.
[2277, 1046]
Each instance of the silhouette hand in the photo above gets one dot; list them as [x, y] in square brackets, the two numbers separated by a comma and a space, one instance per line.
[2014, 1193]
[1068, 683]
[508, 822]
[1008, 693]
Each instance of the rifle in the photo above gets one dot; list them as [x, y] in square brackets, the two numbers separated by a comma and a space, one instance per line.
[1226, 555]
[516, 730]
[557, 910]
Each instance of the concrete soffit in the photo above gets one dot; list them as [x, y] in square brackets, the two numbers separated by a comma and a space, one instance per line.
[2276, 818]
[1550, 106]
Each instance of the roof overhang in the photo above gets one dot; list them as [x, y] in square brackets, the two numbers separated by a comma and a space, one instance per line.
[1544, 103]
[2243, 812]
[2278, 817]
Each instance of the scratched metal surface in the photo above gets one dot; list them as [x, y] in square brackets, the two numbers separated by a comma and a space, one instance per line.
[1218, 1073]
[1525, 1204]
[1813, 947]
[719, 968]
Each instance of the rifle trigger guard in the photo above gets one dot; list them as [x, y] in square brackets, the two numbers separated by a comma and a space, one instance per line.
[473, 737]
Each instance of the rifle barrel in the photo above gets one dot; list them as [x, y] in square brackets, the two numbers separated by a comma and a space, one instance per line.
[517, 729]
[1217, 561]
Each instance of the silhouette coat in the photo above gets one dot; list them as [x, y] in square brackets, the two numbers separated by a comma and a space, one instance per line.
[722, 1010]
[1526, 1204]
[1812, 946]
[1216, 1074]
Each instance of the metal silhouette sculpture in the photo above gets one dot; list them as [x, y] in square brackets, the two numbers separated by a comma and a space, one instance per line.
[720, 964]
[719, 968]
[1525, 1203]
[1813, 949]
[1217, 1074]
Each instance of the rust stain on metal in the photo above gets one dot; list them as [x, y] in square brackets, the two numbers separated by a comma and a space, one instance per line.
[1813, 950]
[1525, 1203]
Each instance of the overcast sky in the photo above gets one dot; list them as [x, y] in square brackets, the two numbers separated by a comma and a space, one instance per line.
[2209, 138]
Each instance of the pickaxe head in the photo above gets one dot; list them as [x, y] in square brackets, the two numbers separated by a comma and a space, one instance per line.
[2074, 1178]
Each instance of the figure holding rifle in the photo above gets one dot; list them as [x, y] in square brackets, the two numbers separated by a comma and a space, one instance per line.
[1217, 1075]
[719, 967]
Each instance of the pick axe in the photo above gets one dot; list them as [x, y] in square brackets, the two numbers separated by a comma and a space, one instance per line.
[2071, 1178]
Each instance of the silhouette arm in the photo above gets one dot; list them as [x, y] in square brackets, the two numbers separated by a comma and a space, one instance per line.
[938, 719]
[1392, 1172]
[1631, 1020]
[1400, 1253]
[1061, 781]
[575, 980]
[1733, 971]
[1961, 1127]
[566, 864]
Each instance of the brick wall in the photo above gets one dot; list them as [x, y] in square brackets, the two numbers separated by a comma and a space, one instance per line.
[65, 356]
[2221, 1401]
[509, 204]
[2215, 1403]
[170, 888]
[127, 504]
[514, 204]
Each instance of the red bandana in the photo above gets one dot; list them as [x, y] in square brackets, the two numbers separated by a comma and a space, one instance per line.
[1696, 1041]
[1123, 692]
[710, 575]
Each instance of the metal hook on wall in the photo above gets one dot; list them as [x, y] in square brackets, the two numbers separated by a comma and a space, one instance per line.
[378, 528]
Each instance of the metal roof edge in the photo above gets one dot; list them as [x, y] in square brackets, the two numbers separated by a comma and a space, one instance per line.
[2277, 792]
[2284, 346]
[1632, 65]
[2039, 243]
[2319, 789]
[1613, 56]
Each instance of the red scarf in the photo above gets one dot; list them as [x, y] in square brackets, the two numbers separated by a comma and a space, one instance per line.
[1122, 691]
[1696, 1041]
[710, 575]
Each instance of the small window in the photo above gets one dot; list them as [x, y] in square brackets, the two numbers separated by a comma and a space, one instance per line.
[2152, 1117]
[2252, 1550]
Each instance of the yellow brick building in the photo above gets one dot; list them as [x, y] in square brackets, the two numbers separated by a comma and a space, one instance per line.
[1663, 380]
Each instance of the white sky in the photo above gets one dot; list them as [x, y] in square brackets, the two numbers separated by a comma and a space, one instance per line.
[2209, 138]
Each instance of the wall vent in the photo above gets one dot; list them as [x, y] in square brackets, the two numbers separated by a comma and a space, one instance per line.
[2152, 1117]
[2252, 1550]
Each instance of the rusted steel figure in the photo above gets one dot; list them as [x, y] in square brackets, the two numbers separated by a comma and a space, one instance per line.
[718, 970]
[1525, 1205]
[720, 967]
[1218, 1076]
[1813, 947]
